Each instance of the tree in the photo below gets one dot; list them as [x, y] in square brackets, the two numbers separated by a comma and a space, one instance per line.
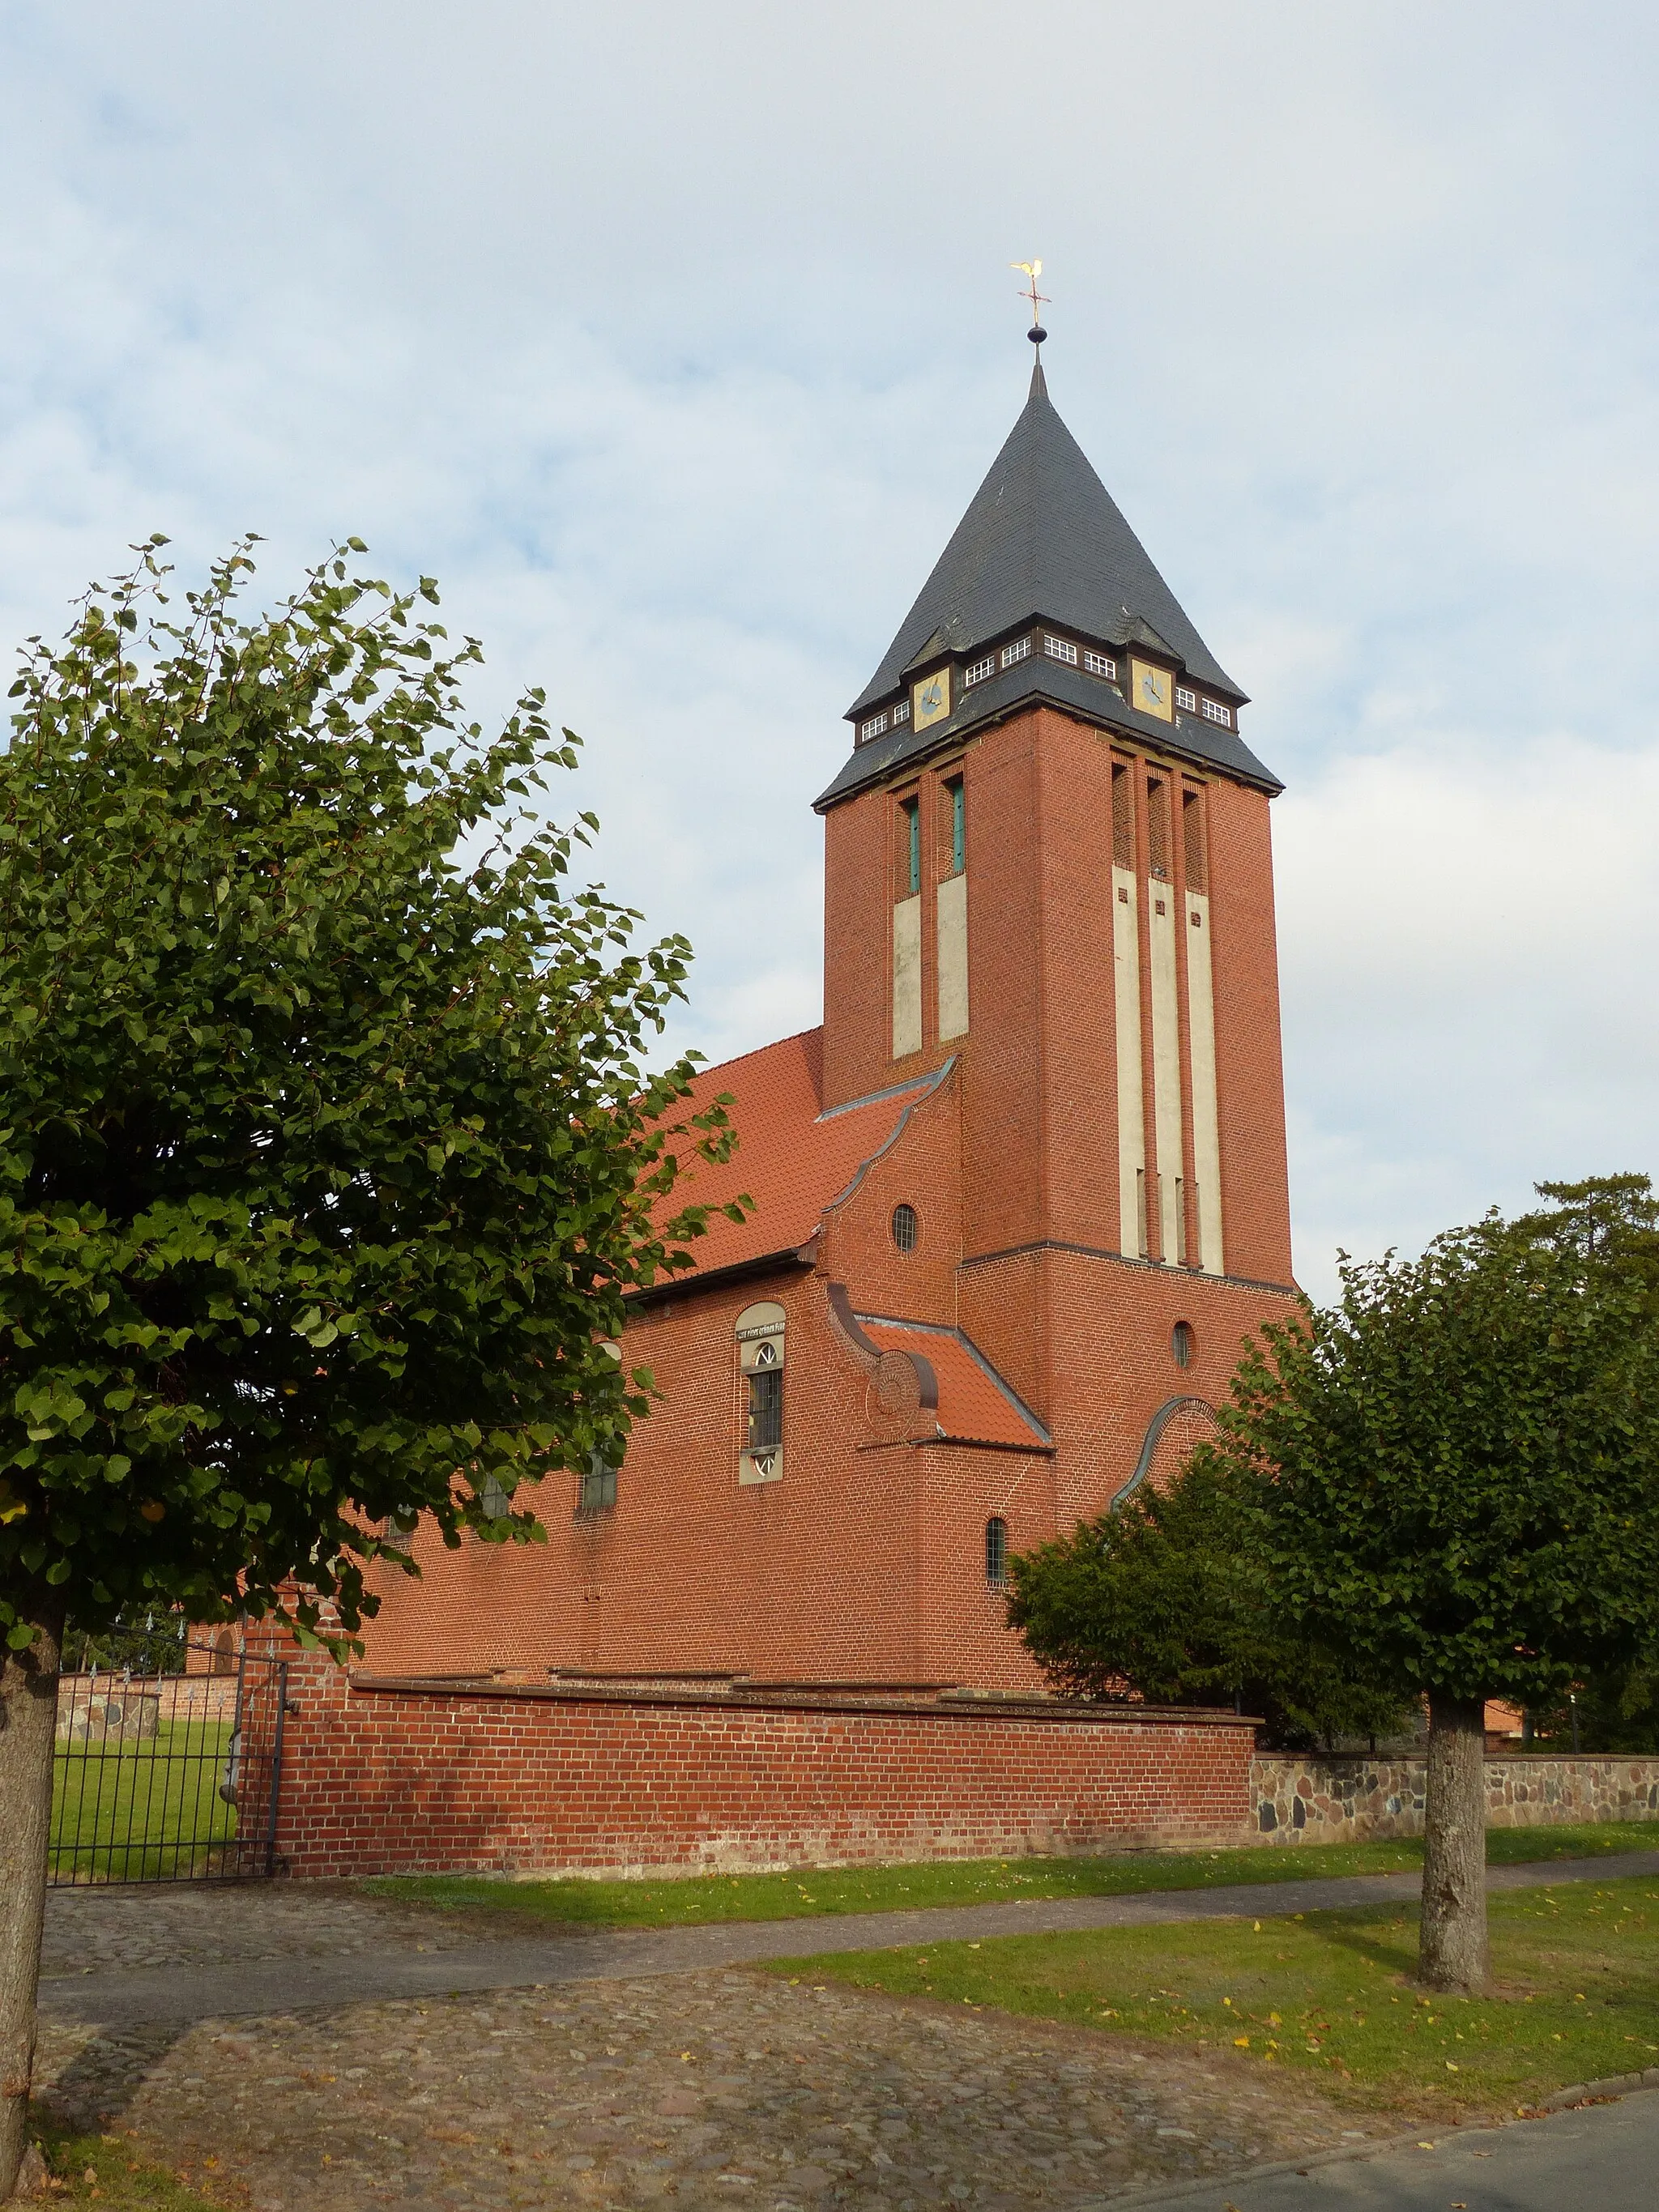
[326, 1149]
[1160, 1597]
[1457, 1478]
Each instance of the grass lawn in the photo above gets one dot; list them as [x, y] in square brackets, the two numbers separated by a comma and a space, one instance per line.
[143, 1811]
[103, 2170]
[687, 1901]
[1576, 1980]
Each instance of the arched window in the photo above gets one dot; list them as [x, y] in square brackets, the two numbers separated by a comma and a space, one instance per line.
[996, 1552]
[1182, 1344]
[760, 1335]
[907, 1228]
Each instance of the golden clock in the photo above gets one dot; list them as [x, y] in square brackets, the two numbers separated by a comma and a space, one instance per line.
[932, 701]
[1152, 690]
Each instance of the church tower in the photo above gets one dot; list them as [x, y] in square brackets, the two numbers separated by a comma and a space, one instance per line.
[1048, 858]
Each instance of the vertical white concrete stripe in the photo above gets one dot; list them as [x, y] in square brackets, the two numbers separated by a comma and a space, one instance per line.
[1200, 1043]
[906, 977]
[953, 956]
[1131, 1121]
[1166, 1065]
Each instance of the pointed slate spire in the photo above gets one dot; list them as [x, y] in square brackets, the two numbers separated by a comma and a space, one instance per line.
[1043, 537]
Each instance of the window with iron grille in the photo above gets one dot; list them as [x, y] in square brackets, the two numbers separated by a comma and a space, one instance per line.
[599, 1486]
[979, 670]
[765, 1431]
[1060, 648]
[907, 1228]
[996, 1550]
[1180, 1344]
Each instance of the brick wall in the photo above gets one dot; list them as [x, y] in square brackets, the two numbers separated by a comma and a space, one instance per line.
[382, 1775]
[1346, 1800]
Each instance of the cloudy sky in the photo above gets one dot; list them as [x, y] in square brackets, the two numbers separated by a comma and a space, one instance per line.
[674, 340]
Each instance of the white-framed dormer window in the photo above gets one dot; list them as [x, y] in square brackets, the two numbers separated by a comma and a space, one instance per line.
[978, 671]
[1101, 664]
[1060, 648]
[902, 711]
[1186, 699]
[1215, 712]
[873, 729]
[1018, 651]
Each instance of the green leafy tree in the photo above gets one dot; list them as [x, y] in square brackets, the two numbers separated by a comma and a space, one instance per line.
[1456, 1475]
[327, 1151]
[1160, 1597]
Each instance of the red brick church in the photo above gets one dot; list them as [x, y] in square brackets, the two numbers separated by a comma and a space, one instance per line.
[1017, 1201]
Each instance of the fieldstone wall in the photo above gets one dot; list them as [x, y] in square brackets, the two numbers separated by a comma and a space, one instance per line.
[1341, 1800]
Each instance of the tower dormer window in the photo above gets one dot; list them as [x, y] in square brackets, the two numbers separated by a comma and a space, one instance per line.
[1186, 699]
[902, 711]
[1101, 664]
[977, 671]
[1215, 712]
[1060, 648]
[1019, 650]
[872, 728]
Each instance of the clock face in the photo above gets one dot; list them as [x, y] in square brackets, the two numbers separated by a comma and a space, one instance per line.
[933, 699]
[1151, 690]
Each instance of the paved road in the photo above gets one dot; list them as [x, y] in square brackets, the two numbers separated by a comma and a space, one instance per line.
[177, 1996]
[1604, 2158]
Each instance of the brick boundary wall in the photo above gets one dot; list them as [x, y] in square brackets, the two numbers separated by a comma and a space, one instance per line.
[394, 1776]
[1347, 1800]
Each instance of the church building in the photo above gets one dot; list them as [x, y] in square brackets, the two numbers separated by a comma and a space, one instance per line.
[1018, 1201]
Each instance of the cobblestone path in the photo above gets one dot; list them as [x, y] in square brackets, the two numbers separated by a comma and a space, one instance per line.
[694, 2090]
[691, 2090]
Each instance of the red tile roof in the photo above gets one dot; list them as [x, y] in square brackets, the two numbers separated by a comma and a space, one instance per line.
[976, 1406]
[790, 1158]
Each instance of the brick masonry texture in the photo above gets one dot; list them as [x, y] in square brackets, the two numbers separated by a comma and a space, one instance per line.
[1344, 1801]
[865, 1563]
[386, 1777]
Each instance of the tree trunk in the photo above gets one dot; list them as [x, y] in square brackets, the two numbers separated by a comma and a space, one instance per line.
[28, 1721]
[1452, 1952]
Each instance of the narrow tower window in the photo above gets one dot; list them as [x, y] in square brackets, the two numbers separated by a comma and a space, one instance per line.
[1123, 816]
[910, 833]
[996, 1552]
[1180, 1344]
[1192, 832]
[1158, 826]
[959, 826]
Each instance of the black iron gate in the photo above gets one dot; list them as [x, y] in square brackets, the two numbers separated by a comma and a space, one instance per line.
[169, 1778]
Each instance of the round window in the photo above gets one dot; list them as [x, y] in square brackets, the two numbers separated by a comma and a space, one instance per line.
[1182, 1344]
[906, 1229]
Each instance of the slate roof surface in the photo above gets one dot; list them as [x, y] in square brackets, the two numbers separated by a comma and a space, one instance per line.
[1042, 536]
[976, 1406]
[791, 1158]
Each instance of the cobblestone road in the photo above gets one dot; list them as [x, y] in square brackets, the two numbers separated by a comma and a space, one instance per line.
[693, 2090]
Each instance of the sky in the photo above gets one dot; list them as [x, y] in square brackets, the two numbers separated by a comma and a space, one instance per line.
[674, 341]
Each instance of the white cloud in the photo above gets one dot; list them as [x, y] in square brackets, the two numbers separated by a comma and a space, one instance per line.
[674, 342]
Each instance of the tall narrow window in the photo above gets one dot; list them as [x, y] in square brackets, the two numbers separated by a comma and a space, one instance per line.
[959, 826]
[996, 1552]
[1158, 826]
[1192, 833]
[597, 1493]
[910, 862]
[1123, 816]
[760, 1335]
